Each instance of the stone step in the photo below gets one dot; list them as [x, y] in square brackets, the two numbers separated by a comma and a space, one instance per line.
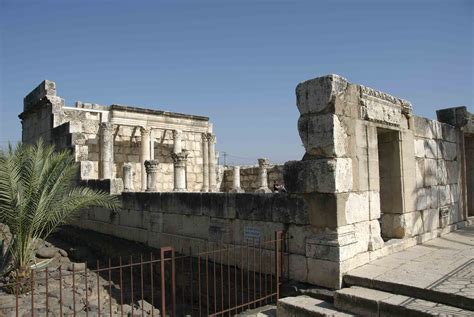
[264, 311]
[458, 299]
[306, 306]
[369, 302]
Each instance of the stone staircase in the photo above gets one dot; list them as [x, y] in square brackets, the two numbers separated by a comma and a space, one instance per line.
[365, 298]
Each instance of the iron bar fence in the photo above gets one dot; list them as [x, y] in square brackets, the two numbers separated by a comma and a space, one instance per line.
[213, 282]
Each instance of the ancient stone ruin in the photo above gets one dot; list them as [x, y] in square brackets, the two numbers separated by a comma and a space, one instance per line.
[375, 178]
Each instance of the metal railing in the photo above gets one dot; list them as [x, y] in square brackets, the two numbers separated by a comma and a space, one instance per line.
[216, 281]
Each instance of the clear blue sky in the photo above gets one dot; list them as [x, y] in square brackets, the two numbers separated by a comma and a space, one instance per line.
[237, 62]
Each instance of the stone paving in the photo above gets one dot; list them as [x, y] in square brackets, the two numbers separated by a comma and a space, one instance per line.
[444, 265]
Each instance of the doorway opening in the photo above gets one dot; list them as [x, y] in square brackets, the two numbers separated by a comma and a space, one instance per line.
[390, 176]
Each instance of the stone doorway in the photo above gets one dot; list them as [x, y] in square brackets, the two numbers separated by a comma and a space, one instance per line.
[469, 158]
[390, 174]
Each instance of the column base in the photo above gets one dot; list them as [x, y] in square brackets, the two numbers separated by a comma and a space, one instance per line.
[237, 190]
[181, 190]
[264, 190]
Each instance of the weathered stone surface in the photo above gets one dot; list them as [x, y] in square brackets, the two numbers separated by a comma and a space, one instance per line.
[307, 306]
[321, 175]
[47, 252]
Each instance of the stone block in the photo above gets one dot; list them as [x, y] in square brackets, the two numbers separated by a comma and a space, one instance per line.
[452, 168]
[442, 173]
[182, 203]
[430, 174]
[448, 150]
[422, 128]
[298, 268]
[324, 273]
[374, 205]
[431, 149]
[288, 208]
[321, 175]
[87, 170]
[444, 195]
[357, 207]
[318, 95]
[402, 225]
[420, 148]
[422, 196]
[332, 246]
[134, 219]
[323, 135]
[156, 222]
[219, 205]
[430, 219]
[297, 235]
[449, 133]
[252, 206]
[434, 197]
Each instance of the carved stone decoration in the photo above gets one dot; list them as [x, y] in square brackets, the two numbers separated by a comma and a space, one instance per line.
[263, 164]
[151, 168]
[383, 108]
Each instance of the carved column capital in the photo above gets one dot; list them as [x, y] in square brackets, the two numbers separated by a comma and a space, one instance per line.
[177, 134]
[263, 163]
[205, 137]
[151, 166]
[145, 131]
[179, 158]
[106, 127]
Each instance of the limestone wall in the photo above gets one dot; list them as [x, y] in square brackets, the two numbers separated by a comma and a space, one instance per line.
[249, 177]
[372, 172]
[438, 175]
[205, 220]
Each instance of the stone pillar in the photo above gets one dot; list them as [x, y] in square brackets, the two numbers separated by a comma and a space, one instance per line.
[179, 160]
[151, 168]
[212, 163]
[177, 137]
[335, 176]
[106, 149]
[127, 177]
[236, 181]
[262, 176]
[205, 162]
[144, 153]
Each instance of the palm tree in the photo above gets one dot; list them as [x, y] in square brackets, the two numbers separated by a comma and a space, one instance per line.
[38, 192]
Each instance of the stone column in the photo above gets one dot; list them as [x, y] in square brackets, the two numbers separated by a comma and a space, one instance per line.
[127, 177]
[236, 181]
[205, 162]
[177, 137]
[151, 168]
[179, 160]
[212, 163]
[106, 149]
[262, 176]
[144, 153]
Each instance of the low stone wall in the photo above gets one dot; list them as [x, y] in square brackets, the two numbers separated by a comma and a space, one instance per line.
[249, 178]
[205, 220]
